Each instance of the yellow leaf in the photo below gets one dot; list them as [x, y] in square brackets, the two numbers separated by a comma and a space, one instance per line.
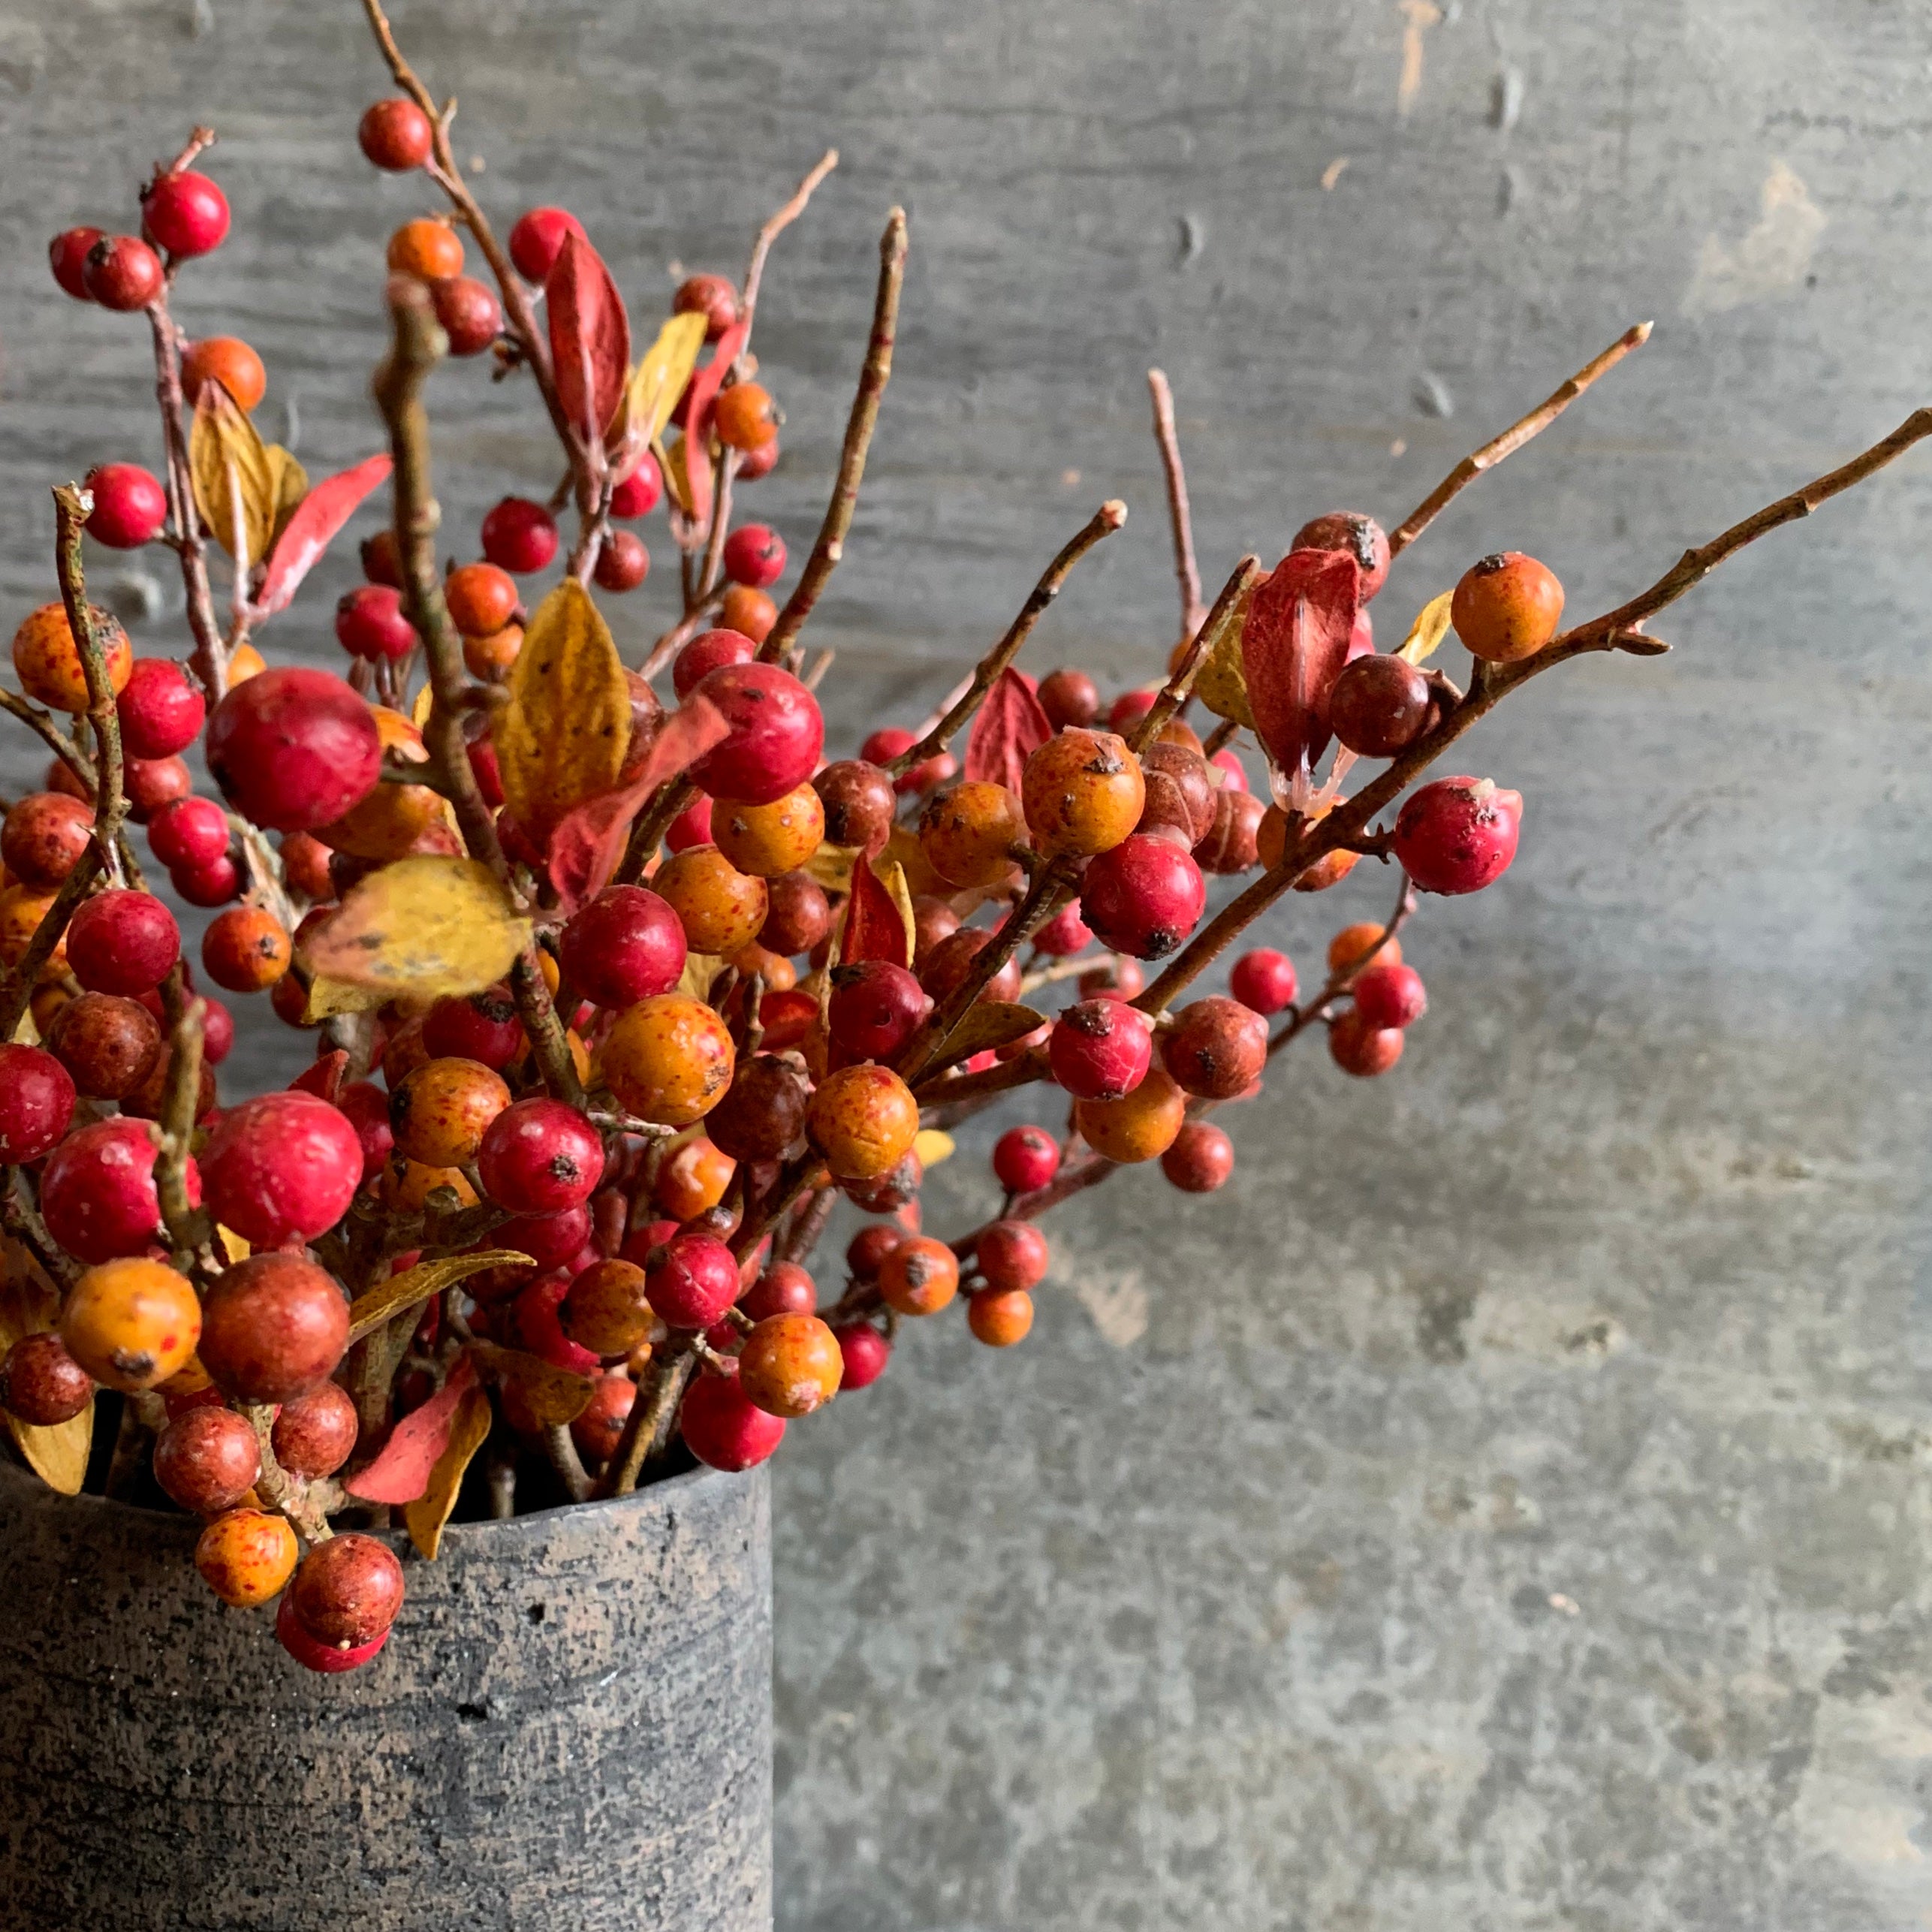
[1221, 682]
[562, 736]
[327, 997]
[987, 1023]
[232, 1245]
[831, 865]
[57, 1454]
[1430, 627]
[699, 970]
[227, 461]
[552, 1395]
[932, 1146]
[891, 875]
[670, 467]
[658, 381]
[419, 712]
[425, 926]
[369, 1311]
[291, 485]
[430, 1511]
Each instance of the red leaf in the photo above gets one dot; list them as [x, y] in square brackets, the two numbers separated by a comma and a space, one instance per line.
[402, 1473]
[324, 1078]
[1294, 642]
[1010, 726]
[704, 388]
[588, 845]
[590, 337]
[875, 927]
[313, 527]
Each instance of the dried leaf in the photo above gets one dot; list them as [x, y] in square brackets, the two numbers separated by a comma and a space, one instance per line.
[1430, 627]
[700, 970]
[430, 1511]
[588, 844]
[1294, 642]
[590, 337]
[226, 458]
[29, 1303]
[401, 1473]
[704, 388]
[554, 1396]
[932, 1146]
[1009, 727]
[561, 740]
[832, 865]
[425, 702]
[413, 1286]
[291, 490]
[877, 927]
[658, 381]
[327, 997]
[313, 527]
[670, 467]
[988, 1023]
[426, 925]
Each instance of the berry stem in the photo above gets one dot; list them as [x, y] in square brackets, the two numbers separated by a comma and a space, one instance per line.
[1206, 637]
[1187, 572]
[875, 373]
[53, 736]
[648, 1426]
[775, 226]
[1300, 1017]
[697, 619]
[191, 1229]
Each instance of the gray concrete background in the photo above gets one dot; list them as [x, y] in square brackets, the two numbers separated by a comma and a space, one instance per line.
[1506, 1505]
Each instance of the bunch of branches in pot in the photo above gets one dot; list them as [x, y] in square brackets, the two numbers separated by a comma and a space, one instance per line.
[616, 984]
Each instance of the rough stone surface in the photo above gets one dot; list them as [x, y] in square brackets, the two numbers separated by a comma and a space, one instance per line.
[1506, 1505]
[569, 1726]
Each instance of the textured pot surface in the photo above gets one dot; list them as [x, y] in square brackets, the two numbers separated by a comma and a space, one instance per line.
[571, 1726]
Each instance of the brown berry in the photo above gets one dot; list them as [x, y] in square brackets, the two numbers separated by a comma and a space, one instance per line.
[108, 1044]
[763, 1114]
[604, 1309]
[859, 802]
[797, 914]
[41, 1384]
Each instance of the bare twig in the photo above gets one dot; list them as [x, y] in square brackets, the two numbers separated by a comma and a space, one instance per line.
[50, 734]
[681, 633]
[647, 1429]
[209, 660]
[1206, 637]
[1187, 573]
[190, 1228]
[1300, 1017]
[565, 1460]
[776, 226]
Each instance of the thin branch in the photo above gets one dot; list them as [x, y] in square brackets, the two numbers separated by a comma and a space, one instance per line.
[1187, 573]
[711, 568]
[1103, 522]
[873, 377]
[209, 660]
[73, 506]
[681, 633]
[1300, 1017]
[191, 1229]
[1206, 639]
[647, 1429]
[565, 1460]
[53, 736]
[770, 232]
[1512, 439]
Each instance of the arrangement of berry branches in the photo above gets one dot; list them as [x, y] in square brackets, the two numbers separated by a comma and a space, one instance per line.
[617, 989]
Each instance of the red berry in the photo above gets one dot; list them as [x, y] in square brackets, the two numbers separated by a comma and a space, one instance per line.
[535, 1325]
[41, 1384]
[598, 1428]
[694, 1283]
[713, 297]
[637, 494]
[945, 967]
[724, 1429]
[776, 733]
[1069, 697]
[281, 1166]
[519, 535]
[1264, 981]
[130, 507]
[480, 1026]
[761, 460]
[396, 134]
[471, 317]
[122, 942]
[185, 213]
[37, 1099]
[1458, 835]
[549, 1239]
[866, 1352]
[1011, 1255]
[539, 1156]
[294, 748]
[537, 240]
[160, 712]
[151, 783]
[207, 1460]
[1358, 1048]
[44, 838]
[189, 834]
[311, 1653]
[1065, 934]
[691, 827]
[1391, 995]
[273, 1327]
[67, 252]
[1361, 536]
[1025, 1158]
[1234, 773]
[886, 742]
[754, 555]
[348, 1591]
[784, 1289]
[865, 1253]
[123, 272]
[1143, 897]
[627, 944]
[705, 652]
[1129, 708]
[1199, 1159]
[217, 883]
[381, 562]
[98, 1192]
[875, 1009]
[1216, 1048]
[1116, 979]
[366, 1108]
[1100, 1050]
[369, 623]
[622, 562]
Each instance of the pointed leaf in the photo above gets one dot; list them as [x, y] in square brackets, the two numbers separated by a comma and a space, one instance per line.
[699, 974]
[327, 997]
[1009, 727]
[989, 1023]
[1294, 642]
[704, 388]
[291, 490]
[588, 845]
[932, 1145]
[590, 337]
[314, 527]
[426, 925]
[227, 461]
[429, 1514]
[554, 1396]
[875, 927]
[657, 382]
[1430, 627]
[401, 1472]
[413, 1286]
[670, 467]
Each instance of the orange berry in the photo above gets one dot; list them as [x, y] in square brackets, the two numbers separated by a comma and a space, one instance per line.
[720, 908]
[48, 660]
[1140, 1125]
[970, 834]
[407, 1184]
[745, 417]
[749, 612]
[790, 1365]
[245, 948]
[440, 1112]
[1330, 869]
[1507, 607]
[920, 1277]
[605, 1309]
[489, 658]
[1084, 793]
[765, 841]
[430, 250]
[245, 1555]
[228, 360]
[669, 1058]
[777, 971]
[864, 1119]
[999, 1317]
[21, 911]
[131, 1323]
[247, 662]
[694, 1179]
[482, 598]
[1354, 942]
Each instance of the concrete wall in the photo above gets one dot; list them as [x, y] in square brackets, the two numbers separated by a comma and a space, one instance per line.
[1506, 1505]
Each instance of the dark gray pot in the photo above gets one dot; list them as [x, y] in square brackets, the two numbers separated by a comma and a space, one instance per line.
[570, 1728]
